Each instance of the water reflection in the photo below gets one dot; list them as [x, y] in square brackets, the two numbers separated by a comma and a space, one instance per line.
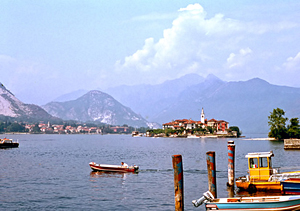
[109, 174]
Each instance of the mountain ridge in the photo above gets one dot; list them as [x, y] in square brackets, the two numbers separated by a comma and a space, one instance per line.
[96, 106]
[12, 107]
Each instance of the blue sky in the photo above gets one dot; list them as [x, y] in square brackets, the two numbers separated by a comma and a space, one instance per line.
[52, 47]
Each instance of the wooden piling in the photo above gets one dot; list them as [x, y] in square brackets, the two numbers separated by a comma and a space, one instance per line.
[231, 158]
[211, 170]
[178, 182]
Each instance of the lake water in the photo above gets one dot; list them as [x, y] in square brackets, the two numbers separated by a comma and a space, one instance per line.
[51, 172]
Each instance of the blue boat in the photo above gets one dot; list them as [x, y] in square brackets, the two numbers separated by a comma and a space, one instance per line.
[290, 186]
[249, 203]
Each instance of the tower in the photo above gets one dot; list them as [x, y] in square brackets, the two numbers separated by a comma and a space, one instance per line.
[202, 116]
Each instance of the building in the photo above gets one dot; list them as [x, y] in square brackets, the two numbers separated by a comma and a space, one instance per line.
[220, 125]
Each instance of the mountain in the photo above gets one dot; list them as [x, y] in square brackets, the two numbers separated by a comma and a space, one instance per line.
[70, 96]
[96, 106]
[13, 108]
[149, 100]
[246, 104]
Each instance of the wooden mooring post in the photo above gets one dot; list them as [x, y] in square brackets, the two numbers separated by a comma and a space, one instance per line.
[178, 182]
[211, 170]
[231, 158]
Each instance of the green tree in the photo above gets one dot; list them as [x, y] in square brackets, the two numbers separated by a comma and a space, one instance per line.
[237, 129]
[277, 122]
[293, 130]
[36, 129]
[211, 129]
[15, 127]
[2, 127]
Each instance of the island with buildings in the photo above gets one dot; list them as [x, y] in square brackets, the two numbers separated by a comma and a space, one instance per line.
[194, 129]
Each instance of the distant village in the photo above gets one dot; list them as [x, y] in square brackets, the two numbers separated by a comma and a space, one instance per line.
[48, 128]
[66, 129]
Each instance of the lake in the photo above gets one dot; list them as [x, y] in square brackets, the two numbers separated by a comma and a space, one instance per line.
[51, 172]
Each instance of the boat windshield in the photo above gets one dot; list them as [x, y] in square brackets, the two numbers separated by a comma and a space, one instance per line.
[263, 162]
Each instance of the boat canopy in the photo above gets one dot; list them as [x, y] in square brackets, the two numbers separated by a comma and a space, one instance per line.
[260, 155]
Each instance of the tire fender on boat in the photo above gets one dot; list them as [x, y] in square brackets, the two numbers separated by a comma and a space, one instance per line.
[252, 188]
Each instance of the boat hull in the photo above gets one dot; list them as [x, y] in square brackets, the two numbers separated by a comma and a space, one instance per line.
[291, 186]
[257, 204]
[9, 145]
[112, 168]
[259, 186]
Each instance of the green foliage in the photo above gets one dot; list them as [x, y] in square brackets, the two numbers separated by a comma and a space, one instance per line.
[211, 129]
[36, 129]
[2, 127]
[156, 131]
[237, 129]
[277, 122]
[15, 127]
[293, 129]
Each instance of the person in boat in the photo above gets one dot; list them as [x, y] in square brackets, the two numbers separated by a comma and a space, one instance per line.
[124, 165]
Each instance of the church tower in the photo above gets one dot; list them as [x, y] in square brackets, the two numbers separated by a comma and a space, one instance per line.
[202, 116]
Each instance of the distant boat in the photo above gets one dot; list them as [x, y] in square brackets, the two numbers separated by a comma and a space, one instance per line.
[249, 203]
[209, 136]
[136, 134]
[193, 136]
[112, 168]
[291, 186]
[262, 177]
[8, 143]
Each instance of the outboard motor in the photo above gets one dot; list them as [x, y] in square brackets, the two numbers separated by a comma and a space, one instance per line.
[207, 196]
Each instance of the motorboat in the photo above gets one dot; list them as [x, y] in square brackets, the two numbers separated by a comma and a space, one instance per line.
[113, 168]
[8, 143]
[290, 186]
[249, 203]
[262, 176]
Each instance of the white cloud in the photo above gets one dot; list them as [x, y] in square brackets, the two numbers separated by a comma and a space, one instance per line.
[198, 44]
[193, 8]
[240, 59]
[292, 63]
[185, 47]
[141, 57]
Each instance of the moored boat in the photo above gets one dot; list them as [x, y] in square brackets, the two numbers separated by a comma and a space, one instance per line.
[136, 134]
[113, 168]
[291, 186]
[193, 136]
[262, 177]
[249, 203]
[8, 143]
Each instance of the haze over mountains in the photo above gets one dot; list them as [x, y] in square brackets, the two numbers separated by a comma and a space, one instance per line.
[96, 106]
[246, 104]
